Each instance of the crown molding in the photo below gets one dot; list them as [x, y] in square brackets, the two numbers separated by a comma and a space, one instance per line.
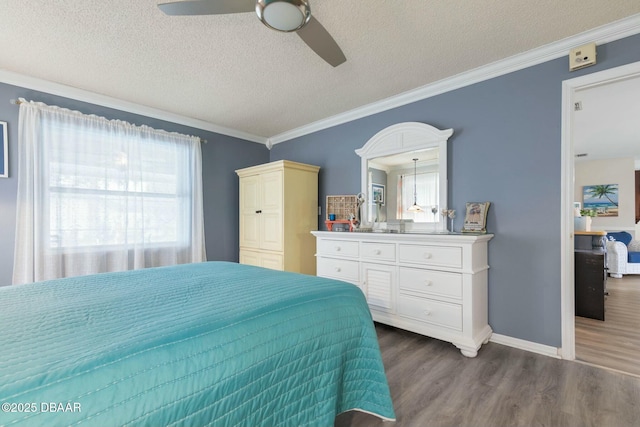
[607, 33]
[58, 89]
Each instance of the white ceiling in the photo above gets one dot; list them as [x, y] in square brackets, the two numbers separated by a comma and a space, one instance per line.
[233, 72]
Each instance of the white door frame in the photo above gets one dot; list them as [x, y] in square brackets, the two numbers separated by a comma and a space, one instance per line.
[569, 89]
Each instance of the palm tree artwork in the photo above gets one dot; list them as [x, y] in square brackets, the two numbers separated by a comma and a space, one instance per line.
[602, 199]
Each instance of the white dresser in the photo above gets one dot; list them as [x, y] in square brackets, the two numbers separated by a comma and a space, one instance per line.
[431, 284]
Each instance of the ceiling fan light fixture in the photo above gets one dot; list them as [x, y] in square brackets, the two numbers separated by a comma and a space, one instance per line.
[283, 15]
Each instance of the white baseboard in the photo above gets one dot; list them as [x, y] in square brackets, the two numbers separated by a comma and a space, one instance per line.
[545, 350]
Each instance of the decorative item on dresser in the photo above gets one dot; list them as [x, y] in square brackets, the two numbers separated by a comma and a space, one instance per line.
[278, 208]
[341, 210]
[475, 220]
[431, 284]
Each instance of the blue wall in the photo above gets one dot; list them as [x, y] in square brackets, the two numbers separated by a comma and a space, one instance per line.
[221, 156]
[506, 149]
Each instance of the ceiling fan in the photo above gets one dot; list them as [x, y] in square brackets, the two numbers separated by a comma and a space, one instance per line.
[280, 15]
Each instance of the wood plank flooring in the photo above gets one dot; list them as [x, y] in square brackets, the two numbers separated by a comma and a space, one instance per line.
[614, 343]
[433, 385]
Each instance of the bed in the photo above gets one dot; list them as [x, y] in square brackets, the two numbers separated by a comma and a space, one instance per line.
[213, 343]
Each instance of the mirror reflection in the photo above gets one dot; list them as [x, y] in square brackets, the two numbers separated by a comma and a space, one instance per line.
[404, 186]
[404, 178]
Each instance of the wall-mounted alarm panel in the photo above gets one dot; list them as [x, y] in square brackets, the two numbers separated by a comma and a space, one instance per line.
[582, 56]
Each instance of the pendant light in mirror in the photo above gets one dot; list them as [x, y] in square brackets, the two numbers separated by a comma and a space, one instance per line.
[415, 207]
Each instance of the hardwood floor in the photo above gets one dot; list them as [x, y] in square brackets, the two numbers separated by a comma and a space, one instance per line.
[433, 385]
[614, 343]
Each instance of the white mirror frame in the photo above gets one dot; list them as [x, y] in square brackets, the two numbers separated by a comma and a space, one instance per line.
[402, 138]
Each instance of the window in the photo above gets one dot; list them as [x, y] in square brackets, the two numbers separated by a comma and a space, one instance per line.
[426, 195]
[122, 195]
[105, 196]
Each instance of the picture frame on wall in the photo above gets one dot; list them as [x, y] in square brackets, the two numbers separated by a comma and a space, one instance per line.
[4, 151]
[377, 191]
[601, 200]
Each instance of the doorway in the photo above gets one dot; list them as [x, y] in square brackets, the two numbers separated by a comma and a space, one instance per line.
[572, 90]
[613, 343]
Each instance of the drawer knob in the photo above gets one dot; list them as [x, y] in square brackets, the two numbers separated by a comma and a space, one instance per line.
[377, 252]
[427, 255]
[338, 248]
[338, 269]
[428, 283]
[427, 313]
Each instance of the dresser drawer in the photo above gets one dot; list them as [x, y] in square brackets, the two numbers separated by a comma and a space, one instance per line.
[430, 282]
[379, 251]
[443, 256]
[338, 269]
[430, 311]
[339, 248]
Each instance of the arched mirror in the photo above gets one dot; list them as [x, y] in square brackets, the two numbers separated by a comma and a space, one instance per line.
[404, 177]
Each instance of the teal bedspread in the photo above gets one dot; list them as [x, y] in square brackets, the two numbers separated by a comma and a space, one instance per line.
[213, 343]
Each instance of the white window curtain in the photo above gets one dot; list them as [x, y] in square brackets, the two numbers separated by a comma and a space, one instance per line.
[98, 195]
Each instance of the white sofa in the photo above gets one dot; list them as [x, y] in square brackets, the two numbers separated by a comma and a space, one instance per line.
[622, 257]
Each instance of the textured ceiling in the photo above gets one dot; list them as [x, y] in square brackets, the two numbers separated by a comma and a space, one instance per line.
[232, 71]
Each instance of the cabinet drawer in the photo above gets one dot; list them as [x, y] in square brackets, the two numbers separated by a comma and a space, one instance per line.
[430, 311]
[338, 269]
[270, 260]
[379, 251]
[431, 282]
[337, 248]
[443, 256]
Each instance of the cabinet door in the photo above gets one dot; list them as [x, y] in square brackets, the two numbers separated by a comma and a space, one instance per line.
[271, 191]
[378, 284]
[271, 218]
[249, 212]
[589, 284]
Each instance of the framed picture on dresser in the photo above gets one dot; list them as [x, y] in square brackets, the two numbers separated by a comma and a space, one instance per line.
[475, 220]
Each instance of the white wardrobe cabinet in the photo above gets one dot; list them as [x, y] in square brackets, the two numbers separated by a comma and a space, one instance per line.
[278, 209]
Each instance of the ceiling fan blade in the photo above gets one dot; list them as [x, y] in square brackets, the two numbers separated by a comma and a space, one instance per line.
[319, 39]
[208, 7]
